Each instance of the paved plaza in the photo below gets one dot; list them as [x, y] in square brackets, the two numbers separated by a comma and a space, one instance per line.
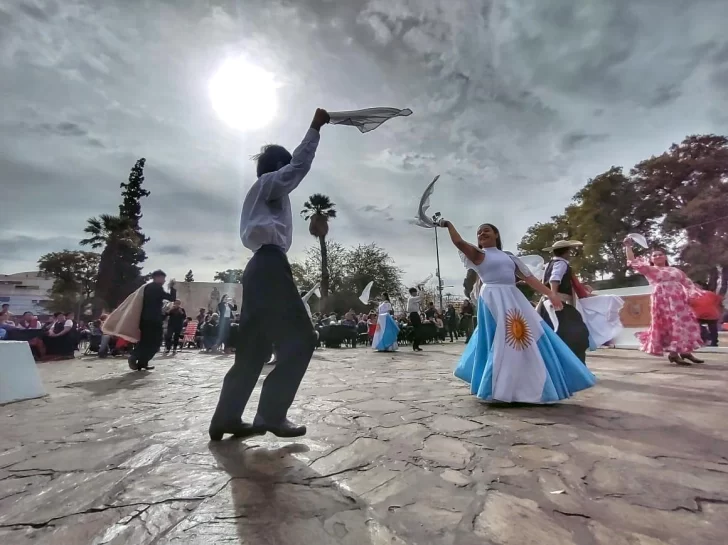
[398, 453]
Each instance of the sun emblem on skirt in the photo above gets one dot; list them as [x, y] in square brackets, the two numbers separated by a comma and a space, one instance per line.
[518, 335]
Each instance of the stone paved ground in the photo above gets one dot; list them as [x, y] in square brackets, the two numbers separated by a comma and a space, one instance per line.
[398, 452]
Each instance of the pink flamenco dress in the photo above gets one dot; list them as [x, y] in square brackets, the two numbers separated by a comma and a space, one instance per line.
[674, 327]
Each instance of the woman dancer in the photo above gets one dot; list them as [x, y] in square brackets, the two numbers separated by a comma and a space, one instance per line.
[385, 336]
[513, 356]
[674, 328]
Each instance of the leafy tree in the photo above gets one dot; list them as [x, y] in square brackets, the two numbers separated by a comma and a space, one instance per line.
[112, 233]
[350, 270]
[74, 274]
[687, 185]
[189, 277]
[336, 266]
[318, 210]
[229, 276]
[604, 212]
[367, 263]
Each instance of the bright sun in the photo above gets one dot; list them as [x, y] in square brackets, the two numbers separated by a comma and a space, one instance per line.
[243, 95]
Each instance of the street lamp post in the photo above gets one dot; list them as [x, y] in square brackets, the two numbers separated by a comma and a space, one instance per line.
[436, 219]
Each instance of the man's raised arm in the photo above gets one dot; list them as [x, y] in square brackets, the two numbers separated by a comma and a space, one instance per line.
[286, 179]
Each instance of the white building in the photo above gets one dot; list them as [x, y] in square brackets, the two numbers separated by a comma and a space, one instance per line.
[25, 291]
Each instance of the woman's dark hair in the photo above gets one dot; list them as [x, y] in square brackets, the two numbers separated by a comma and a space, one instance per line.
[271, 158]
[658, 249]
[498, 243]
[412, 291]
[386, 296]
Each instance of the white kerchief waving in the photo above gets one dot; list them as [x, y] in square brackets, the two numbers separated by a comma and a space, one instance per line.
[368, 119]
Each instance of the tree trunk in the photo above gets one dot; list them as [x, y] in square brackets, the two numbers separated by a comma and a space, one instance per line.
[324, 274]
[713, 279]
[723, 279]
[105, 279]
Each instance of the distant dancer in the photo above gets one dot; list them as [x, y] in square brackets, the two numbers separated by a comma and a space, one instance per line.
[674, 328]
[414, 302]
[387, 330]
[151, 324]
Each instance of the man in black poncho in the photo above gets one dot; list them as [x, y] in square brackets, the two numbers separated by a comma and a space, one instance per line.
[151, 324]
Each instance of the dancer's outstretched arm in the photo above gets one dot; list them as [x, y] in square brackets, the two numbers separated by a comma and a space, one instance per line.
[287, 178]
[541, 288]
[473, 253]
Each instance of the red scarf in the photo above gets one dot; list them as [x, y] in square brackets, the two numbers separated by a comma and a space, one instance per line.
[579, 290]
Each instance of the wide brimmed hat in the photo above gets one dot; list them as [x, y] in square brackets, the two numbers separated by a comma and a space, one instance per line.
[561, 244]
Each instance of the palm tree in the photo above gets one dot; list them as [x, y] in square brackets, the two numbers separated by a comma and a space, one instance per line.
[318, 210]
[112, 233]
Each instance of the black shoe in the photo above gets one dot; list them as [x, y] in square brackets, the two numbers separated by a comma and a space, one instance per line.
[284, 429]
[677, 360]
[238, 430]
[691, 358]
[133, 363]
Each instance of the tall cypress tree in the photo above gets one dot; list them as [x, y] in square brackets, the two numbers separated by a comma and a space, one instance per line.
[128, 274]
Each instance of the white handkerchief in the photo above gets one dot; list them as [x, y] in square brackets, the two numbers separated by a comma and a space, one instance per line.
[639, 239]
[423, 220]
[365, 294]
[368, 119]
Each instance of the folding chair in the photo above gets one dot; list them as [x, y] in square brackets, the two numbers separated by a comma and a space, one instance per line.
[190, 335]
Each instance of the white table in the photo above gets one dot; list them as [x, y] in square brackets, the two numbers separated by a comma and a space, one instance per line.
[19, 377]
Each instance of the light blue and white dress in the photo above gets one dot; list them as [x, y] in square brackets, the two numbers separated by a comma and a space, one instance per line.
[385, 336]
[513, 356]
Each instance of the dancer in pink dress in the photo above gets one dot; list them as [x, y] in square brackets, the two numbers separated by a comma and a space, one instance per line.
[674, 328]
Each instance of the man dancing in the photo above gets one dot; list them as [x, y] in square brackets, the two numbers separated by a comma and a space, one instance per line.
[561, 279]
[414, 302]
[273, 312]
[151, 324]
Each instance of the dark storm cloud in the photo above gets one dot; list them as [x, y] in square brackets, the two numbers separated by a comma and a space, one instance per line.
[171, 249]
[511, 99]
[578, 139]
[23, 246]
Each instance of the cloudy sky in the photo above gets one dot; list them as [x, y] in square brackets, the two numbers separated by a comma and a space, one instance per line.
[517, 103]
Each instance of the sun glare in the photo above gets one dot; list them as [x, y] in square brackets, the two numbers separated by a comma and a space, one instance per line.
[243, 95]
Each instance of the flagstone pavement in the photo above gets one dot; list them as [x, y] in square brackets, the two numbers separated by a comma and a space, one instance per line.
[398, 453]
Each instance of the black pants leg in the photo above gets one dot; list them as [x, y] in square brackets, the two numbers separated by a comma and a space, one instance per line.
[171, 340]
[572, 330]
[152, 332]
[416, 322]
[712, 337]
[272, 314]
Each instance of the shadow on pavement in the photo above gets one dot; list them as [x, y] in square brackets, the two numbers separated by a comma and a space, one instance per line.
[277, 498]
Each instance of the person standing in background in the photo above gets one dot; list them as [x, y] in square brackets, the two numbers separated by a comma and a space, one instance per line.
[466, 319]
[414, 302]
[451, 322]
[225, 310]
[175, 325]
[708, 309]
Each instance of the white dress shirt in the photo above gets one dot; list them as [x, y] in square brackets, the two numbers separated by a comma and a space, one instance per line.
[266, 217]
[413, 303]
[559, 269]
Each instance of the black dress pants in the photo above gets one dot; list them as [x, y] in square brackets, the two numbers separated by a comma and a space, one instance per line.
[272, 314]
